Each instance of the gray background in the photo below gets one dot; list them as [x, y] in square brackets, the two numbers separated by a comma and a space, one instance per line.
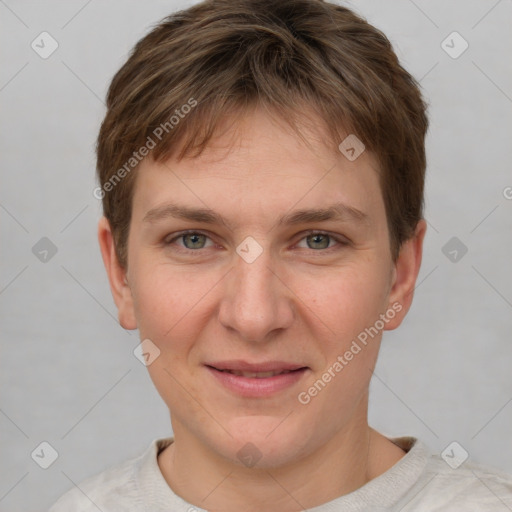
[69, 376]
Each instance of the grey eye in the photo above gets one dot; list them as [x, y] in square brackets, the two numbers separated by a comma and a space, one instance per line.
[319, 241]
[197, 241]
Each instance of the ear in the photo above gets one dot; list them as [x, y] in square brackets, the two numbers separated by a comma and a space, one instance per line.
[119, 287]
[405, 273]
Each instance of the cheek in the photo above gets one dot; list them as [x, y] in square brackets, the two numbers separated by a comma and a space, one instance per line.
[344, 301]
[346, 306]
[167, 306]
[166, 299]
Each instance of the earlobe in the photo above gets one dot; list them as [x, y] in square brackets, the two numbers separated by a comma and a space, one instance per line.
[116, 273]
[405, 274]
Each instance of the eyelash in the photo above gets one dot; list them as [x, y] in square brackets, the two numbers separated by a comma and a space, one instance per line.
[342, 242]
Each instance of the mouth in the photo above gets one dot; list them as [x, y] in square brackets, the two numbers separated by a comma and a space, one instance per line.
[257, 375]
[256, 379]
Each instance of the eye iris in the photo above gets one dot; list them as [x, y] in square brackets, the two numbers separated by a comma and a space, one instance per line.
[194, 237]
[315, 238]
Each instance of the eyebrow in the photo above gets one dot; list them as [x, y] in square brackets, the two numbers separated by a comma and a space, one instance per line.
[337, 211]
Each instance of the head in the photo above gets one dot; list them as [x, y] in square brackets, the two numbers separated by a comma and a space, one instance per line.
[238, 110]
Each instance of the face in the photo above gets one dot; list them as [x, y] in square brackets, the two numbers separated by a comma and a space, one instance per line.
[251, 302]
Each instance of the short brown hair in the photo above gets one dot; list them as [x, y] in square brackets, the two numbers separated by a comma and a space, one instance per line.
[219, 57]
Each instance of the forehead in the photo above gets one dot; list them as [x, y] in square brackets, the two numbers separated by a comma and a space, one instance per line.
[260, 164]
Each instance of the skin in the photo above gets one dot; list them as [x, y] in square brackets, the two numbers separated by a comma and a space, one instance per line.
[303, 300]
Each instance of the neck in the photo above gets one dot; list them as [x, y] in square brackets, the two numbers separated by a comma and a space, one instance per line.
[345, 462]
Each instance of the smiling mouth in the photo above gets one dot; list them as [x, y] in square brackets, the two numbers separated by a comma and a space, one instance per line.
[256, 380]
[257, 375]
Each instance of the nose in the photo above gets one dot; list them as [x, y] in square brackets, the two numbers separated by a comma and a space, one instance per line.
[256, 301]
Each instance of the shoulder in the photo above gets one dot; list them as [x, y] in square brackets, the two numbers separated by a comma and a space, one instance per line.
[112, 490]
[461, 488]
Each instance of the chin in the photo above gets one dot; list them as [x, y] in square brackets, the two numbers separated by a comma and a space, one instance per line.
[263, 442]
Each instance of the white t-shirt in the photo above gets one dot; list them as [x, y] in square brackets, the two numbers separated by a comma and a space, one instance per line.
[420, 481]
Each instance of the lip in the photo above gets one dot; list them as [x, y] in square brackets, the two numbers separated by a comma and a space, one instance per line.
[255, 387]
[263, 366]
